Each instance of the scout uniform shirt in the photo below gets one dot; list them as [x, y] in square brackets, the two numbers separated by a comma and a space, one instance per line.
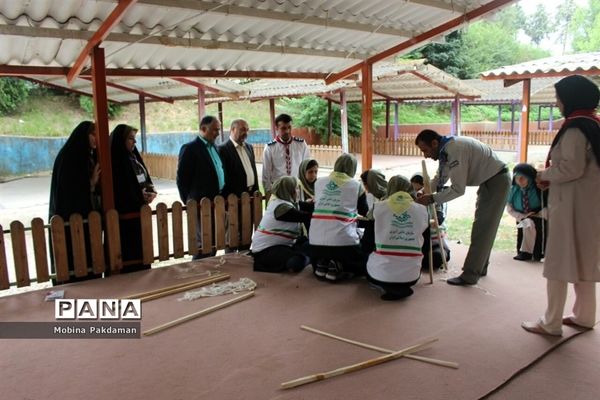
[466, 162]
[281, 159]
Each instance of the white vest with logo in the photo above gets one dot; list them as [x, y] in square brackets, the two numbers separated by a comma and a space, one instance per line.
[333, 221]
[398, 241]
[271, 232]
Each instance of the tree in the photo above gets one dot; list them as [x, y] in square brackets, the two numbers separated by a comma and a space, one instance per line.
[448, 56]
[311, 111]
[585, 27]
[537, 26]
[563, 21]
[13, 92]
[482, 46]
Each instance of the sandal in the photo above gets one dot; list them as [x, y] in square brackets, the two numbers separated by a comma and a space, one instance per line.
[535, 327]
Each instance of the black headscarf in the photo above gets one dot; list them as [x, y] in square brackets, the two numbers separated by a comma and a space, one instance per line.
[125, 166]
[70, 186]
[579, 97]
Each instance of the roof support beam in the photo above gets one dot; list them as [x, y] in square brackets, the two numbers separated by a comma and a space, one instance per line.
[113, 19]
[13, 70]
[367, 116]
[136, 91]
[101, 119]
[421, 38]
[302, 16]
[188, 43]
[524, 134]
[65, 88]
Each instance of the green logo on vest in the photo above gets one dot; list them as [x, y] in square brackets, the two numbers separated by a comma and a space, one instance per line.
[331, 185]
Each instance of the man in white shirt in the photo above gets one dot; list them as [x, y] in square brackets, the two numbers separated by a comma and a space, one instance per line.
[283, 155]
[468, 162]
[239, 166]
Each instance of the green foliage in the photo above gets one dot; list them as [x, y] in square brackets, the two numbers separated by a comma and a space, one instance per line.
[586, 27]
[448, 57]
[537, 27]
[311, 112]
[13, 92]
[87, 104]
[564, 21]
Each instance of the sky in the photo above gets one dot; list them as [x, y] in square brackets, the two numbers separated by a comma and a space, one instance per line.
[529, 6]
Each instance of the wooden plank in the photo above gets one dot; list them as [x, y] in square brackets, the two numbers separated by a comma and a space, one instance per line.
[233, 221]
[113, 238]
[246, 219]
[177, 219]
[17, 236]
[149, 293]
[192, 223]
[206, 225]
[4, 281]
[162, 229]
[38, 234]
[147, 240]
[96, 246]
[220, 223]
[78, 245]
[257, 209]
[59, 248]
[200, 313]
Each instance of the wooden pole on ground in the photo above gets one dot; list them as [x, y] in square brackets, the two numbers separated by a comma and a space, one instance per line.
[427, 190]
[166, 291]
[200, 313]
[356, 367]
[381, 349]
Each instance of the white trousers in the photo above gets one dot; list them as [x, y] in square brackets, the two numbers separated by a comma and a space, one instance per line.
[529, 235]
[584, 309]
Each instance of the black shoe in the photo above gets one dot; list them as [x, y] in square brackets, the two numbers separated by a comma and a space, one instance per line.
[523, 256]
[458, 281]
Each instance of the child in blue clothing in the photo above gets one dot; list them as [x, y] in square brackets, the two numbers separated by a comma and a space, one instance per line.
[526, 204]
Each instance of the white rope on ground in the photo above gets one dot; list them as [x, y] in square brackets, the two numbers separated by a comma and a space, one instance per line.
[219, 289]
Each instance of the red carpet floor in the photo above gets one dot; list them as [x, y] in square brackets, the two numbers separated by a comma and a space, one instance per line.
[247, 350]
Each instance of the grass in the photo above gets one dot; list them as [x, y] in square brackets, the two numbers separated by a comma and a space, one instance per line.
[459, 229]
[57, 115]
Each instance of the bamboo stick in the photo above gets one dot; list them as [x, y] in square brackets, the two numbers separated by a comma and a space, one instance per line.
[200, 313]
[178, 286]
[427, 182]
[434, 361]
[356, 367]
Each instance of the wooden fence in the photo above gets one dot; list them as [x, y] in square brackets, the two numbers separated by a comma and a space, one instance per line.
[405, 145]
[217, 218]
[165, 166]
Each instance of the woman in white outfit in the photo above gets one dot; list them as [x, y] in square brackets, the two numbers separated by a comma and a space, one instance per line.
[573, 176]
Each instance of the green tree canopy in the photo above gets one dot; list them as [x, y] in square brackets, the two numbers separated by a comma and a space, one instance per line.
[13, 92]
[586, 27]
[537, 27]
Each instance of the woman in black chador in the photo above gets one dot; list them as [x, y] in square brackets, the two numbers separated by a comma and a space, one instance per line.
[74, 187]
[132, 188]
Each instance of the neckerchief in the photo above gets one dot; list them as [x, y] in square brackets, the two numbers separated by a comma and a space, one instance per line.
[288, 159]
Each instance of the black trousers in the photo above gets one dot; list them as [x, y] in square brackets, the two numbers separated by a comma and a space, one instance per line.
[538, 252]
[353, 258]
[282, 258]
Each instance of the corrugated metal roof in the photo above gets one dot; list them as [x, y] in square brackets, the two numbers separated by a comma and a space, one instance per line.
[247, 35]
[552, 66]
[401, 80]
[542, 91]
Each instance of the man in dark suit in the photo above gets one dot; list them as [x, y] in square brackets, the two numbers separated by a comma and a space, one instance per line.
[238, 161]
[200, 169]
[239, 165]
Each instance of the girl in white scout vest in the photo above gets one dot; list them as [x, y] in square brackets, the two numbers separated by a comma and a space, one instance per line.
[277, 243]
[400, 224]
[334, 240]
